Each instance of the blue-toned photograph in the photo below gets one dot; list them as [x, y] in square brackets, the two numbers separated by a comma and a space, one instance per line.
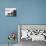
[22, 22]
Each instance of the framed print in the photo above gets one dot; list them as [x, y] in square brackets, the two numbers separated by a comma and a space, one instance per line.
[32, 32]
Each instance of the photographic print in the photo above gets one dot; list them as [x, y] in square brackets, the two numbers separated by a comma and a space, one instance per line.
[10, 11]
[29, 34]
[33, 32]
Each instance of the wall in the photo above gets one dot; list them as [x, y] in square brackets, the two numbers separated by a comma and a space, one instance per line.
[28, 12]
